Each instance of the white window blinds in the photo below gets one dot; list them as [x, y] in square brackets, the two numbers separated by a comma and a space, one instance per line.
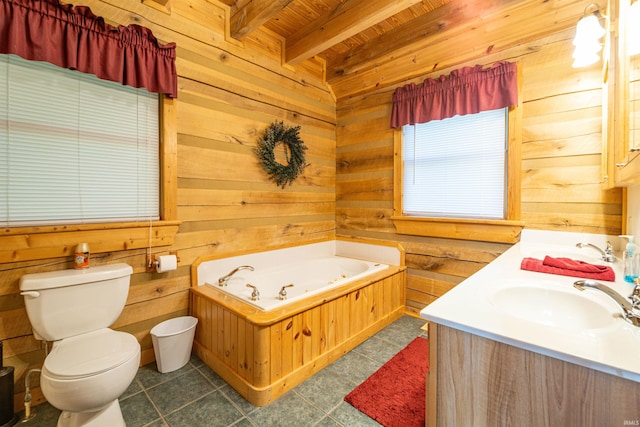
[456, 167]
[73, 148]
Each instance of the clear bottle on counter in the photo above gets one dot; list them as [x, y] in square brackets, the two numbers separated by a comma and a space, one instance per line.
[629, 261]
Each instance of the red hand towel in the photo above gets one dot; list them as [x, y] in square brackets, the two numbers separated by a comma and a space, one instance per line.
[533, 264]
[571, 264]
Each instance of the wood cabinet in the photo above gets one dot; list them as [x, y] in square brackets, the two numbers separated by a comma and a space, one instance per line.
[475, 381]
[621, 100]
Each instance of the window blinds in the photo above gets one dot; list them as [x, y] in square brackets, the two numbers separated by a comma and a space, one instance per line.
[456, 167]
[73, 148]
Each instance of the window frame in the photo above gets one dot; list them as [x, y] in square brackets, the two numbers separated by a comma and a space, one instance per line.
[41, 242]
[501, 231]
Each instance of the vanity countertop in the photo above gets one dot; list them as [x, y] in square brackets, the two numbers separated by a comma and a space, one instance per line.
[593, 335]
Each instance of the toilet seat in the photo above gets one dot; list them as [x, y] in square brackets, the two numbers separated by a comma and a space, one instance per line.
[90, 354]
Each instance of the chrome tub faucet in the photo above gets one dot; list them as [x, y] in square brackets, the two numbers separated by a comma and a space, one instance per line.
[282, 295]
[607, 255]
[631, 308]
[255, 295]
[224, 280]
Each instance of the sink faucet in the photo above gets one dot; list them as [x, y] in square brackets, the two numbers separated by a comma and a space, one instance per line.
[631, 312]
[635, 295]
[224, 280]
[608, 255]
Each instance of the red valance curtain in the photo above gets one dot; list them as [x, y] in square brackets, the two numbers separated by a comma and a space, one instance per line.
[465, 91]
[74, 38]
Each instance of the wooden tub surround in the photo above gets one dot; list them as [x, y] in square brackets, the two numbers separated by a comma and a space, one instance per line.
[264, 354]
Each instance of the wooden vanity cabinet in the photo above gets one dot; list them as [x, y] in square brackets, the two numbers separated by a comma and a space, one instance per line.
[475, 381]
[621, 101]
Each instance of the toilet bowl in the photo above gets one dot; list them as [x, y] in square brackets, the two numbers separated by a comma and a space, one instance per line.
[88, 372]
[89, 365]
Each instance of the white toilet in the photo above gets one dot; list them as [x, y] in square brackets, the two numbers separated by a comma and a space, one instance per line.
[89, 365]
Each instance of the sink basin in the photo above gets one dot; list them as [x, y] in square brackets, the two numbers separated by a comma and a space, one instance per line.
[552, 307]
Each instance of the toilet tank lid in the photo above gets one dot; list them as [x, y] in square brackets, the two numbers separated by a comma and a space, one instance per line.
[61, 278]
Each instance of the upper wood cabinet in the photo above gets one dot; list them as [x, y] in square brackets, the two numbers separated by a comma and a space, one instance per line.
[621, 100]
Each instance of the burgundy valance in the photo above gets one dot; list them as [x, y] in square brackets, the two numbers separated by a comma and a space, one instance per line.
[465, 91]
[73, 37]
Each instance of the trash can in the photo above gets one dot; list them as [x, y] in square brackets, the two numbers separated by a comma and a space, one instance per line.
[172, 342]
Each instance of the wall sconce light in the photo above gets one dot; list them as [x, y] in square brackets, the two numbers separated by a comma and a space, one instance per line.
[587, 40]
[633, 25]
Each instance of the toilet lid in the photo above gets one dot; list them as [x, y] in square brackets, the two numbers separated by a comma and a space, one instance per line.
[90, 354]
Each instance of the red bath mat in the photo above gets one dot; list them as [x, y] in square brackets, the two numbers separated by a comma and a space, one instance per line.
[394, 395]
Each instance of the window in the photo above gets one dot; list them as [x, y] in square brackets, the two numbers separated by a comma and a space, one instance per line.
[433, 198]
[456, 167]
[75, 149]
[130, 56]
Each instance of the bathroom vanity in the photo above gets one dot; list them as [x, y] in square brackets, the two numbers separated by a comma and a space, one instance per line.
[513, 347]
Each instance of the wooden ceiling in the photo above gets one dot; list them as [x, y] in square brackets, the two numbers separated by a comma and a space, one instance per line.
[327, 28]
[351, 35]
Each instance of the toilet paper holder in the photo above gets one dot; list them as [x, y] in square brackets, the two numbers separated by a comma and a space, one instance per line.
[152, 261]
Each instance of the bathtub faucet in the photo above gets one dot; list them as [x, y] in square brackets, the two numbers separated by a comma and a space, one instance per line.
[608, 255]
[282, 295]
[255, 295]
[631, 312]
[224, 280]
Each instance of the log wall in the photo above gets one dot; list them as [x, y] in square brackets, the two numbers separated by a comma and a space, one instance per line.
[229, 92]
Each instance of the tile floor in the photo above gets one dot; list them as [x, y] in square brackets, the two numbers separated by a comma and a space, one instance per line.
[196, 396]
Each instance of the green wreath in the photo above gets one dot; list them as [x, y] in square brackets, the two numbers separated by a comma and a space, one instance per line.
[278, 133]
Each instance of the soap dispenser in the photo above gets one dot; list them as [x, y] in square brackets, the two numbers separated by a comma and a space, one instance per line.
[630, 272]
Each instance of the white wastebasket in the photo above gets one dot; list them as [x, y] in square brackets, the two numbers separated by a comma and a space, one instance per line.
[172, 342]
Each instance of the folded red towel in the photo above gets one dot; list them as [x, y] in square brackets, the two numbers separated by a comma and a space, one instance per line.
[572, 264]
[533, 264]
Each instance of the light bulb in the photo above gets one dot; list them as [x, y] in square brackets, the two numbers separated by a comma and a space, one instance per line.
[586, 54]
[584, 59]
[589, 27]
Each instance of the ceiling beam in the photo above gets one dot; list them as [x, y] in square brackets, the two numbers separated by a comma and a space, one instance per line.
[522, 23]
[346, 20]
[251, 15]
[437, 21]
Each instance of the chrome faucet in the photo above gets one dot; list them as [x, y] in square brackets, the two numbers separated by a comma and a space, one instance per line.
[255, 295]
[282, 295]
[224, 280]
[608, 255]
[635, 295]
[631, 310]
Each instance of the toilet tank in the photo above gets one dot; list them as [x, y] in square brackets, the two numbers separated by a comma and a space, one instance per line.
[64, 303]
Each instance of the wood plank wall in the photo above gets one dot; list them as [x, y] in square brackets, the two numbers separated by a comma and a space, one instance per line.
[228, 94]
[561, 178]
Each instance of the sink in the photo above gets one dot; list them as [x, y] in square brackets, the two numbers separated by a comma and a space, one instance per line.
[566, 309]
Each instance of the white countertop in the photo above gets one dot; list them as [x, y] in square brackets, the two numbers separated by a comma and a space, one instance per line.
[607, 343]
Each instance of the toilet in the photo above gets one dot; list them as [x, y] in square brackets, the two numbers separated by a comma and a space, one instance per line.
[89, 365]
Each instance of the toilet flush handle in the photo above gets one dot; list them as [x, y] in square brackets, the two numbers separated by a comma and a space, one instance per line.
[32, 294]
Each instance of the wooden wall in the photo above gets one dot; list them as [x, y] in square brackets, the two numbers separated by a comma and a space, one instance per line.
[228, 94]
[560, 176]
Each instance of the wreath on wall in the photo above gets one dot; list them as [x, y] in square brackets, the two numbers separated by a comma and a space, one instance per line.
[278, 133]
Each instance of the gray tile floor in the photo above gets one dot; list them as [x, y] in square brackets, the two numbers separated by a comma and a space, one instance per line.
[196, 396]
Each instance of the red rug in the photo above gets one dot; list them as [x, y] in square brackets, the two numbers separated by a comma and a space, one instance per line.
[394, 395]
